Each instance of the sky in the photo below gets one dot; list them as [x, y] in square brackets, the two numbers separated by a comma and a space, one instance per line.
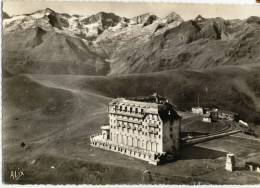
[186, 11]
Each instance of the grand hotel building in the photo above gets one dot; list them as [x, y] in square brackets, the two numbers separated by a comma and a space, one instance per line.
[147, 128]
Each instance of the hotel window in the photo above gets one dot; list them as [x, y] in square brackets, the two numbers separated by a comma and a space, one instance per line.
[142, 111]
[136, 110]
[170, 128]
[120, 108]
[131, 109]
[125, 109]
[171, 135]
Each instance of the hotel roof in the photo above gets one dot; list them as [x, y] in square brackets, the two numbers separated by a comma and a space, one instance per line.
[156, 102]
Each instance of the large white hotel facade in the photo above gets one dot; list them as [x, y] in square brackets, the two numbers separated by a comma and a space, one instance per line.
[147, 128]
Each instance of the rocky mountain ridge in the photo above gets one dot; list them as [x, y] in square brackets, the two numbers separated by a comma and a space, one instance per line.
[49, 42]
[79, 25]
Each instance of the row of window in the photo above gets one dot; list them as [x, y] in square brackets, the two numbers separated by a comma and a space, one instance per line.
[153, 117]
[134, 142]
[127, 122]
[139, 132]
[129, 109]
[152, 120]
[133, 127]
[124, 117]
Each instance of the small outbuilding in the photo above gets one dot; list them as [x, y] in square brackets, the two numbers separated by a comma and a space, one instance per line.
[206, 119]
[197, 110]
[252, 166]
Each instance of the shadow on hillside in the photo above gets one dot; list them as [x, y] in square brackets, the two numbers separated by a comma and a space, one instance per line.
[195, 152]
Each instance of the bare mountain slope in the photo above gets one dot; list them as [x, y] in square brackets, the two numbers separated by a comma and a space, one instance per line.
[57, 43]
[195, 44]
[36, 50]
[49, 42]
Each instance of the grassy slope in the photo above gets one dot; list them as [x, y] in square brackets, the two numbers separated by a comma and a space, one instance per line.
[231, 88]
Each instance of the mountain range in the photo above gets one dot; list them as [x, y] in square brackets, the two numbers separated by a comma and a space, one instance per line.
[106, 44]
